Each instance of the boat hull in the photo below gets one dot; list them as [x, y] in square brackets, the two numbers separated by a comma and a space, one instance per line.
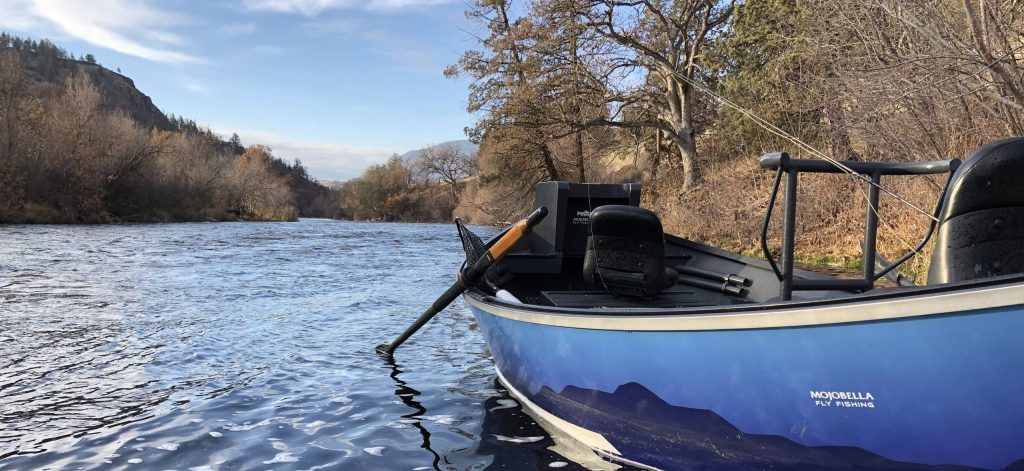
[899, 388]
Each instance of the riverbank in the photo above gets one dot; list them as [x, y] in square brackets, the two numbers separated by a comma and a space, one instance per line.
[34, 213]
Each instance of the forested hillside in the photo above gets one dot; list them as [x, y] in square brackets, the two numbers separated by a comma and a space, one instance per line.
[79, 143]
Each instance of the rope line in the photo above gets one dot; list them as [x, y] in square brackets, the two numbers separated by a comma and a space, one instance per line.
[801, 144]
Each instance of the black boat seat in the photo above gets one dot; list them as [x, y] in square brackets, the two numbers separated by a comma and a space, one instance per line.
[981, 224]
[625, 253]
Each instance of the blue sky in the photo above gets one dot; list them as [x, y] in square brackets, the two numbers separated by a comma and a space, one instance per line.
[340, 84]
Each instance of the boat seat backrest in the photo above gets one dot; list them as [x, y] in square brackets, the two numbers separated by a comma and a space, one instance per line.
[981, 223]
[625, 252]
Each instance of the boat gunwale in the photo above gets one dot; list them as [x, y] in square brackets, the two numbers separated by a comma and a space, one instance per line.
[882, 305]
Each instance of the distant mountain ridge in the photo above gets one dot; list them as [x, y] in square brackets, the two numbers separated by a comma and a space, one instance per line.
[466, 146]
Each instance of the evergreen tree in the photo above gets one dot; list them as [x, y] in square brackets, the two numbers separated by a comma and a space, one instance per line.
[236, 144]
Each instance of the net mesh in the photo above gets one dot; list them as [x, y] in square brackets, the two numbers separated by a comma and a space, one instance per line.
[475, 248]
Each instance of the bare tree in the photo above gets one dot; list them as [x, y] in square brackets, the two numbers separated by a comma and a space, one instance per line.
[660, 58]
[448, 163]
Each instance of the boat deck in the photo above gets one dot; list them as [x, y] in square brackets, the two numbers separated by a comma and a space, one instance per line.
[557, 281]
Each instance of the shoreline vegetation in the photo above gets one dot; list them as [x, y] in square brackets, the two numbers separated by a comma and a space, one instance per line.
[663, 93]
[79, 144]
[660, 93]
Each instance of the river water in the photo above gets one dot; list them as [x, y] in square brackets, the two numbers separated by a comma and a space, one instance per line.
[247, 346]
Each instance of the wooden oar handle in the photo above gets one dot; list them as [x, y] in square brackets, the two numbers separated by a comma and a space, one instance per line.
[473, 274]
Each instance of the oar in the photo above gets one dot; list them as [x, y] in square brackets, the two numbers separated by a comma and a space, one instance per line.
[469, 277]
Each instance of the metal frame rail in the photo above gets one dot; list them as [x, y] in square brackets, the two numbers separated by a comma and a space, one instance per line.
[871, 172]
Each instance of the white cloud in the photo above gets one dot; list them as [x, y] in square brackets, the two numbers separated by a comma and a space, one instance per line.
[313, 7]
[16, 15]
[238, 29]
[125, 26]
[324, 160]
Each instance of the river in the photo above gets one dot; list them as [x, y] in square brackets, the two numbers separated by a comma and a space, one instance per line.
[247, 346]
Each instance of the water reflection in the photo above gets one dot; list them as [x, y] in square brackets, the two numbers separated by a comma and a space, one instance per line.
[408, 397]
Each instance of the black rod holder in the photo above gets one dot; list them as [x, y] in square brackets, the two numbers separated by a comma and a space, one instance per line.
[730, 278]
[781, 162]
[871, 228]
[789, 235]
[720, 287]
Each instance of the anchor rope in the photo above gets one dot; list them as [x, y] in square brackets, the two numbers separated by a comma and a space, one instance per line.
[768, 126]
[799, 143]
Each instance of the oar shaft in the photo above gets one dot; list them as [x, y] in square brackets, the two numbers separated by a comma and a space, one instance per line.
[470, 277]
[442, 302]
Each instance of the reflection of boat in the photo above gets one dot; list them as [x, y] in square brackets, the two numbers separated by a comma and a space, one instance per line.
[663, 352]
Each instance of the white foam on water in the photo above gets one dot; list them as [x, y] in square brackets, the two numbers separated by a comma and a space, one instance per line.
[557, 464]
[135, 460]
[505, 404]
[216, 434]
[440, 419]
[167, 446]
[204, 467]
[196, 421]
[283, 457]
[247, 425]
[517, 439]
[375, 450]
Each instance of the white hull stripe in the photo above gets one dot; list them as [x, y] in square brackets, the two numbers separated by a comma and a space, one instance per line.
[840, 313]
[589, 438]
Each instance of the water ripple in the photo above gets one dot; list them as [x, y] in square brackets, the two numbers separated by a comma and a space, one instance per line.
[245, 346]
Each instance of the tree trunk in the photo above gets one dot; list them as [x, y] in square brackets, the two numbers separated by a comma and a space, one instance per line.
[580, 162]
[679, 118]
[656, 155]
[688, 158]
[549, 163]
[839, 138]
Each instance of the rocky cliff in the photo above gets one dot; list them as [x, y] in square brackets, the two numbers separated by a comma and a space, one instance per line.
[118, 91]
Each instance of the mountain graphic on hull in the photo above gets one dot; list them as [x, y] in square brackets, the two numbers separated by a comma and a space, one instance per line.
[648, 430]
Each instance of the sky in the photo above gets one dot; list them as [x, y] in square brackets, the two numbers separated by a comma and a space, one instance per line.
[339, 84]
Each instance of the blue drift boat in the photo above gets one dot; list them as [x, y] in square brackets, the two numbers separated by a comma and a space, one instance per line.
[659, 352]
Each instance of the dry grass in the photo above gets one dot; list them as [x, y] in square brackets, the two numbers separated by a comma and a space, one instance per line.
[728, 211]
